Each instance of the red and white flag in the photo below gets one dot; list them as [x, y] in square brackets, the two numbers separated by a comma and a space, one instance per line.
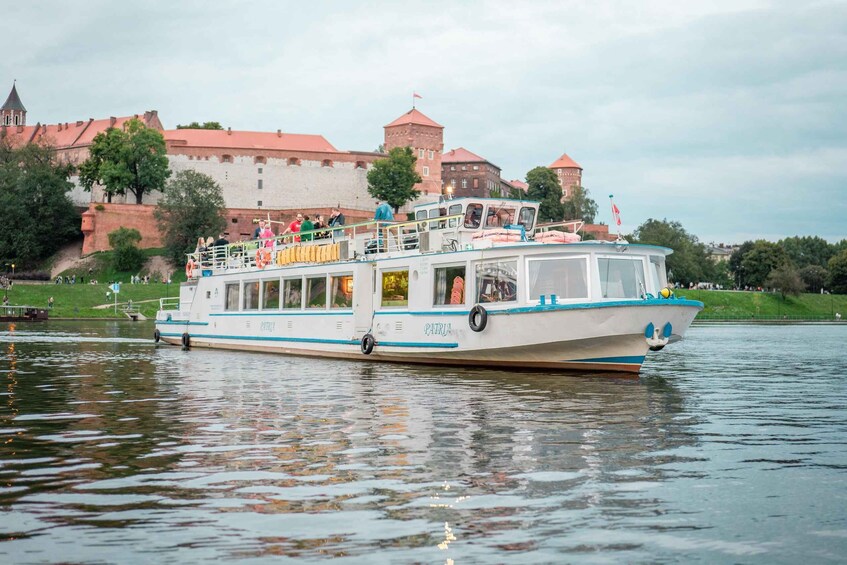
[416, 95]
[616, 213]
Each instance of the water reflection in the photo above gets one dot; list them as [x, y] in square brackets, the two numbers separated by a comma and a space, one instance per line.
[216, 455]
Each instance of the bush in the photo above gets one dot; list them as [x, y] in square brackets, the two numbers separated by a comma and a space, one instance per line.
[127, 257]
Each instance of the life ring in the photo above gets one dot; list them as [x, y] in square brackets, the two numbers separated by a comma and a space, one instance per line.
[157, 335]
[186, 340]
[263, 257]
[478, 318]
[368, 343]
[189, 269]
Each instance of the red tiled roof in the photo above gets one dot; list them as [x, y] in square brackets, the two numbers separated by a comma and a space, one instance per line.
[224, 139]
[68, 134]
[564, 162]
[519, 184]
[413, 116]
[461, 155]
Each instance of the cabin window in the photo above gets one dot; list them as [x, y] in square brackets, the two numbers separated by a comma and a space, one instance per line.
[316, 292]
[497, 281]
[251, 295]
[420, 215]
[270, 295]
[499, 217]
[658, 265]
[454, 210]
[566, 278]
[395, 288]
[292, 292]
[621, 278]
[527, 218]
[473, 215]
[231, 293]
[342, 292]
[449, 286]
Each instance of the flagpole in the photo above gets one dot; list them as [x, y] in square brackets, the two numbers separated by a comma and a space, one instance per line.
[615, 215]
[413, 101]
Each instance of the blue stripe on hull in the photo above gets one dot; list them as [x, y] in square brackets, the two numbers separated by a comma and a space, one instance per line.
[631, 359]
[317, 340]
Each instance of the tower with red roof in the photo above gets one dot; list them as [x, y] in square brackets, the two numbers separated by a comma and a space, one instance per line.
[426, 138]
[13, 113]
[569, 173]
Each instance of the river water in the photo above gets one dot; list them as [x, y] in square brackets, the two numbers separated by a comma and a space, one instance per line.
[730, 448]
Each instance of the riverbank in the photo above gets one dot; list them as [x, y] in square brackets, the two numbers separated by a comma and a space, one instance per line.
[87, 301]
[742, 306]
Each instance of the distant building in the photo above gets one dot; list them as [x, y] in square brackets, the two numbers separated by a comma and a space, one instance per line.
[719, 253]
[426, 138]
[13, 113]
[467, 174]
[568, 172]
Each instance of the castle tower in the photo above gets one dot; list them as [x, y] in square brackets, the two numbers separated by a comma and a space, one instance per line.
[13, 113]
[568, 172]
[426, 138]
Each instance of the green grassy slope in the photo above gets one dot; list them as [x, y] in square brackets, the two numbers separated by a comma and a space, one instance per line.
[722, 304]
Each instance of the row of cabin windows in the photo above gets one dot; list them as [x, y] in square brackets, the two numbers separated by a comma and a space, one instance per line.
[495, 217]
[496, 281]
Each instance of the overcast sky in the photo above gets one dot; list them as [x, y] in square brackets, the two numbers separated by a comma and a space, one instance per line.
[727, 116]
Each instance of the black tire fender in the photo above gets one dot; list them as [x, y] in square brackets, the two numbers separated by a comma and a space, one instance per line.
[478, 318]
[157, 335]
[368, 343]
[186, 340]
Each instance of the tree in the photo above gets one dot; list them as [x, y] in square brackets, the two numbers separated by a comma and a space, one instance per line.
[204, 125]
[393, 179]
[127, 257]
[192, 206]
[804, 251]
[762, 258]
[580, 206]
[132, 158]
[814, 276]
[689, 262]
[544, 186]
[786, 279]
[838, 273]
[735, 263]
[36, 215]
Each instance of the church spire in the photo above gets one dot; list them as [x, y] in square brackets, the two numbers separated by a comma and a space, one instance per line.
[13, 113]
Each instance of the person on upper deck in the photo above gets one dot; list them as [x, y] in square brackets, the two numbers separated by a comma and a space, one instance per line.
[259, 229]
[294, 227]
[383, 212]
[267, 235]
[307, 225]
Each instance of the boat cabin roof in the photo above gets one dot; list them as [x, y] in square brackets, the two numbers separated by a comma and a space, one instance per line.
[482, 213]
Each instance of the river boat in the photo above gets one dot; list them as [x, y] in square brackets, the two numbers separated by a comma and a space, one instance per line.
[22, 314]
[470, 282]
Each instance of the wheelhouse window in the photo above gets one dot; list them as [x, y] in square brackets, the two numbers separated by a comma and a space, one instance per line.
[499, 217]
[231, 295]
[341, 291]
[527, 217]
[395, 288]
[449, 286]
[454, 210]
[567, 278]
[270, 295]
[251, 295]
[497, 281]
[473, 216]
[658, 265]
[621, 278]
[316, 292]
[292, 294]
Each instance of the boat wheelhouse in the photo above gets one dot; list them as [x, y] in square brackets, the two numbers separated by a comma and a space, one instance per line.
[468, 281]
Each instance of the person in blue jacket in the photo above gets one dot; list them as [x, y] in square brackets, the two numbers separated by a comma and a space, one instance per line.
[383, 212]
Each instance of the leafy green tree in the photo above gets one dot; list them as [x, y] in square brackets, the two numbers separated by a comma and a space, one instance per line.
[204, 125]
[735, 264]
[762, 258]
[127, 256]
[544, 186]
[192, 206]
[787, 280]
[393, 179]
[132, 158]
[689, 261]
[580, 206]
[814, 276]
[808, 250]
[36, 215]
[838, 273]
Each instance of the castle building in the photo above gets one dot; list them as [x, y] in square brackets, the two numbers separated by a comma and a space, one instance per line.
[13, 113]
[568, 172]
[426, 138]
[465, 173]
